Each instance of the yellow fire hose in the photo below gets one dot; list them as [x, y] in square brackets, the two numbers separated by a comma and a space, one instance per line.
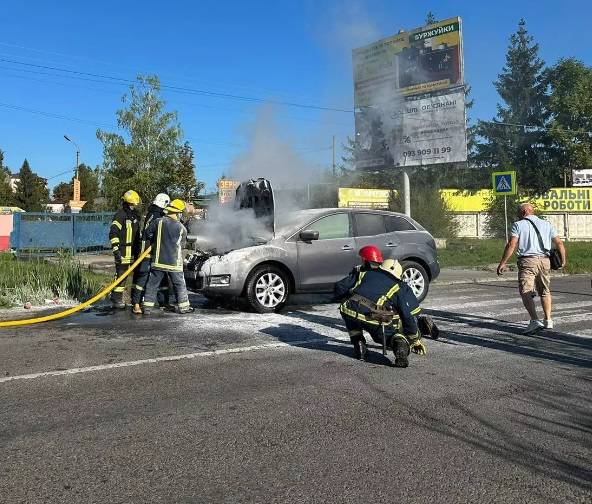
[82, 306]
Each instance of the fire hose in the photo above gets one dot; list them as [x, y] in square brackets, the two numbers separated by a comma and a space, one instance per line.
[81, 306]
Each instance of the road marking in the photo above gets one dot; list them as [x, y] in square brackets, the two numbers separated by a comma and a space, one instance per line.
[168, 358]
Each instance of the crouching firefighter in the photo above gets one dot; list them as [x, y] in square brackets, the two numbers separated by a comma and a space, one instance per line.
[142, 272]
[167, 236]
[373, 301]
[124, 236]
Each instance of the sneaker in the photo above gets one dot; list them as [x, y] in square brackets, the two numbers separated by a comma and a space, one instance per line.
[548, 323]
[533, 326]
[137, 310]
[188, 309]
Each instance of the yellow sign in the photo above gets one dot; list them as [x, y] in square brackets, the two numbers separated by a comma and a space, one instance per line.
[559, 199]
[350, 197]
[422, 60]
[227, 190]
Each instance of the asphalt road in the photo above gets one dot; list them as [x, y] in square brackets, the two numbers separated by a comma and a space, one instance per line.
[274, 409]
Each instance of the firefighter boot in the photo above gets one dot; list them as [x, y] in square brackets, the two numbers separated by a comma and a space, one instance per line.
[360, 348]
[400, 348]
[427, 327]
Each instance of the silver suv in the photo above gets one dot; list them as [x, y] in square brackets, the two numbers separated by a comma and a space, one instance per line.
[307, 251]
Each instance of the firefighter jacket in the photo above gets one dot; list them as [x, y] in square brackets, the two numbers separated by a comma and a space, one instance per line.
[380, 290]
[124, 234]
[154, 212]
[168, 237]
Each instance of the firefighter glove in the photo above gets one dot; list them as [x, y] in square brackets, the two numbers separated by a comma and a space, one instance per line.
[117, 256]
[417, 347]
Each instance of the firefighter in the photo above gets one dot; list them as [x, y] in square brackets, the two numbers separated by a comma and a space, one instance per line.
[168, 237]
[124, 236]
[142, 272]
[371, 294]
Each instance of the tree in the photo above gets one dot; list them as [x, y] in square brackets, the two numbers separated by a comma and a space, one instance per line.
[31, 190]
[147, 158]
[517, 137]
[570, 105]
[183, 184]
[62, 193]
[6, 193]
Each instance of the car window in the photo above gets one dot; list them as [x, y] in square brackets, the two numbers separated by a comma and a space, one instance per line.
[368, 224]
[332, 226]
[398, 224]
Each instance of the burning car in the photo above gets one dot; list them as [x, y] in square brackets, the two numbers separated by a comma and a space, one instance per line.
[265, 257]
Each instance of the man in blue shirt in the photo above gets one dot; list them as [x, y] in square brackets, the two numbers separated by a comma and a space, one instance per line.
[534, 268]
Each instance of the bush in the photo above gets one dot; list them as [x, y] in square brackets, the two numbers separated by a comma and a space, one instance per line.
[430, 210]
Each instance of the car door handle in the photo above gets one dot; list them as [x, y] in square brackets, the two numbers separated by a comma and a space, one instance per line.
[392, 244]
[347, 247]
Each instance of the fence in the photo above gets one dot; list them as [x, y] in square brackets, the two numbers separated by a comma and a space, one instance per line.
[572, 226]
[49, 232]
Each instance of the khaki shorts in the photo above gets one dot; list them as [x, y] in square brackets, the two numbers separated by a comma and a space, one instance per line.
[534, 274]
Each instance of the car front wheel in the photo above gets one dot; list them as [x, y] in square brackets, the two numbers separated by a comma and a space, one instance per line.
[267, 289]
[416, 277]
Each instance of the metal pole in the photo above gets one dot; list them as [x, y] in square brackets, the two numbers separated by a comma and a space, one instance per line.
[407, 193]
[77, 162]
[506, 215]
[383, 339]
[333, 164]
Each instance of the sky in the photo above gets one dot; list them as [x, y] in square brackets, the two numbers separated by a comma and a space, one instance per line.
[296, 52]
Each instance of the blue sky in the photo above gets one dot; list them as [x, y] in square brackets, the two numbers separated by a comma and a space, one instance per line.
[294, 51]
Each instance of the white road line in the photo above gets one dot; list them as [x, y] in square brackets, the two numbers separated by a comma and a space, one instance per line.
[168, 358]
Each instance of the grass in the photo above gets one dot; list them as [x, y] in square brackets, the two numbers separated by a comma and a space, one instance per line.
[474, 253]
[34, 280]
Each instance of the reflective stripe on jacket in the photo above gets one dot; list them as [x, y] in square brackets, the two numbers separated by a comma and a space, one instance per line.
[385, 291]
[168, 237]
[154, 213]
[124, 234]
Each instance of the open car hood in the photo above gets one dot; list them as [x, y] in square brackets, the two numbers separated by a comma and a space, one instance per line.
[258, 195]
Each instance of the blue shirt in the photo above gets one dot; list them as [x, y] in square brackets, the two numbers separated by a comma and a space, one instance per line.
[528, 241]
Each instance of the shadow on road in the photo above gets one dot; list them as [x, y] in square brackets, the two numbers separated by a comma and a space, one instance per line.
[547, 345]
[292, 334]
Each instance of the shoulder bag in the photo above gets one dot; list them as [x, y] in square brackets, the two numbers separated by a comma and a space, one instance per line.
[554, 255]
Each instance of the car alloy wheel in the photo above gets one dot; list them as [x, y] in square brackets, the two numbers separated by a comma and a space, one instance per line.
[270, 290]
[415, 279]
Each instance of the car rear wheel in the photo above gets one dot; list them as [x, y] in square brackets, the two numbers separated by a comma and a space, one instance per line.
[267, 289]
[416, 277]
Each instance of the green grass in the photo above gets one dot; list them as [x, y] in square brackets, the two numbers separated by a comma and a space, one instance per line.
[473, 253]
[34, 280]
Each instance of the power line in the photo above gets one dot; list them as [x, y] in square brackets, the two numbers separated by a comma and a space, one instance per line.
[181, 89]
[544, 128]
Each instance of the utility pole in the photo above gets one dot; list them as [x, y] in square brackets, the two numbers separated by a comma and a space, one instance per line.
[406, 193]
[333, 164]
[75, 204]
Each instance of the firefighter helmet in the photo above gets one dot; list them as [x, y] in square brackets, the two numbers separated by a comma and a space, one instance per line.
[131, 197]
[370, 253]
[162, 200]
[393, 267]
[176, 206]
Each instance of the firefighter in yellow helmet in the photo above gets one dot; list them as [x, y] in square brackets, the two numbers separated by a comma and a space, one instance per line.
[168, 237]
[124, 236]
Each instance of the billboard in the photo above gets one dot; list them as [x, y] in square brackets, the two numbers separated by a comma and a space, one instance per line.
[227, 190]
[350, 197]
[423, 60]
[417, 131]
[581, 178]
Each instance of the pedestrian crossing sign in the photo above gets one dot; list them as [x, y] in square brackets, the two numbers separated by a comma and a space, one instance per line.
[504, 183]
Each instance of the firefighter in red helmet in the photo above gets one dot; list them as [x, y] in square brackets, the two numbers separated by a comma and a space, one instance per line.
[370, 296]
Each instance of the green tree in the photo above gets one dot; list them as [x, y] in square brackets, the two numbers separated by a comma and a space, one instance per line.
[6, 193]
[62, 193]
[183, 183]
[517, 137]
[31, 190]
[570, 105]
[147, 157]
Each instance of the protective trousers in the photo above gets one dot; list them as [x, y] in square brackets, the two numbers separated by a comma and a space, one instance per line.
[117, 294]
[177, 280]
[141, 276]
[394, 340]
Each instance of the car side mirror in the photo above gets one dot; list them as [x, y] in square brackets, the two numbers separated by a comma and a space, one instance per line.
[309, 235]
